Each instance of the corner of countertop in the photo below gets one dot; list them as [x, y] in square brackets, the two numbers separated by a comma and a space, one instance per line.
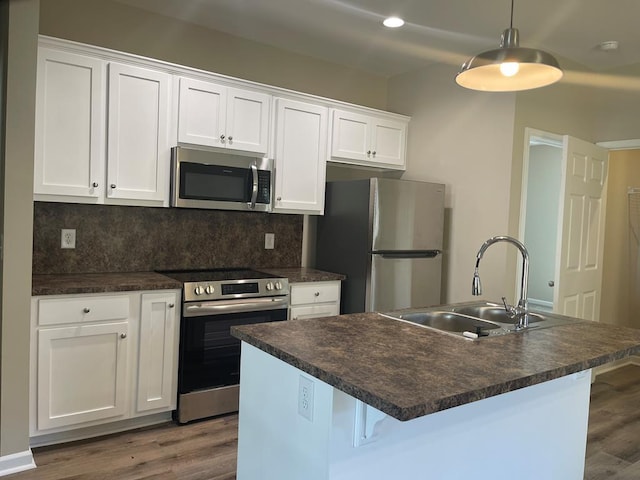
[303, 274]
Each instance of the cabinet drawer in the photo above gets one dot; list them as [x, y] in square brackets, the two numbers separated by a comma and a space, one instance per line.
[315, 292]
[55, 311]
[315, 311]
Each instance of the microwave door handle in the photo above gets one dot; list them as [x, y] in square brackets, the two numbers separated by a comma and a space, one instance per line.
[254, 189]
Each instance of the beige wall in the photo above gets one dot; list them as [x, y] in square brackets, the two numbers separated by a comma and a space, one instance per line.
[464, 140]
[120, 27]
[621, 272]
[17, 226]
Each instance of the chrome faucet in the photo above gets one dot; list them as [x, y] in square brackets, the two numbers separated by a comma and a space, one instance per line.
[520, 312]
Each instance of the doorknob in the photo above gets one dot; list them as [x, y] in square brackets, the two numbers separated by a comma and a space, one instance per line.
[551, 283]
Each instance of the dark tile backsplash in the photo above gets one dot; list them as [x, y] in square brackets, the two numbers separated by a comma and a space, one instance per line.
[133, 239]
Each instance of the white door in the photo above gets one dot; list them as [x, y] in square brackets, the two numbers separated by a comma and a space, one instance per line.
[158, 351]
[581, 230]
[70, 116]
[138, 136]
[300, 160]
[351, 136]
[81, 374]
[388, 141]
[201, 113]
[247, 120]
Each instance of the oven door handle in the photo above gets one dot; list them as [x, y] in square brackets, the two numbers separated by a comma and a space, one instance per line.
[234, 306]
[254, 189]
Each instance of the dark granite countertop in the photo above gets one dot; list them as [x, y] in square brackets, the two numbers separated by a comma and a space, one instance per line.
[304, 274]
[63, 284]
[408, 371]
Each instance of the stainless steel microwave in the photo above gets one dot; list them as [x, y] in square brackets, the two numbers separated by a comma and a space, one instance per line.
[223, 181]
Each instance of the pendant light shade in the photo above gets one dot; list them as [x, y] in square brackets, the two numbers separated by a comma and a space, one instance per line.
[509, 68]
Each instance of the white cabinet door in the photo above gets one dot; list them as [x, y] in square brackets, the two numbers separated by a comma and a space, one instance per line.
[300, 157]
[202, 110]
[368, 140]
[213, 115]
[351, 135]
[81, 373]
[388, 141]
[158, 354]
[314, 299]
[70, 112]
[138, 134]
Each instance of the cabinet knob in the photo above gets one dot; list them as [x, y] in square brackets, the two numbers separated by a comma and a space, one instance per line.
[230, 138]
[94, 184]
[373, 153]
[551, 283]
[279, 198]
[317, 294]
[171, 305]
[123, 335]
[113, 185]
[86, 310]
[368, 153]
[222, 137]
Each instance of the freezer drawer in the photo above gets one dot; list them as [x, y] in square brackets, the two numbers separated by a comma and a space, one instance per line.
[403, 282]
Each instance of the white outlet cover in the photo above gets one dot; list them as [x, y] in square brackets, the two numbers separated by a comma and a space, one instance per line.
[269, 241]
[68, 238]
[305, 398]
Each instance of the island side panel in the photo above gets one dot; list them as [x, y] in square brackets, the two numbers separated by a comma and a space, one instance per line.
[274, 440]
[538, 432]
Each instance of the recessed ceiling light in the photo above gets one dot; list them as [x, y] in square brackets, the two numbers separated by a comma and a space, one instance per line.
[393, 22]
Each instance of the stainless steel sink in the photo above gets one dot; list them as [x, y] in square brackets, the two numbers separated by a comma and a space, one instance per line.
[449, 321]
[476, 319]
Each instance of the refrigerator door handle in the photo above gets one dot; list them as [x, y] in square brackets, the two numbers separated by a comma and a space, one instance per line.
[409, 254]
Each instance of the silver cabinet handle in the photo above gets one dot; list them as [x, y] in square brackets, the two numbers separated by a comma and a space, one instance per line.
[230, 138]
[86, 310]
[368, 153]
[374, 153]
[123, 335]
[113, 185]
[171, 305]
[317, 294]
[279, 198]
[94, 184]
[222, 137]
[551, 283]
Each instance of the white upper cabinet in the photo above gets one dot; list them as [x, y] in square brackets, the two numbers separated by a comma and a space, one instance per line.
[213, 115]
[138, 133]
[70, 115]
[368, 140]
[300, 157]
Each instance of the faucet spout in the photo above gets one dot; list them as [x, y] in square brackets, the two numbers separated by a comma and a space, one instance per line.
[522, 309]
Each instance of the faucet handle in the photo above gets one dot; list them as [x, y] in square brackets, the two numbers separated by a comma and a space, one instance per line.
[511, 311]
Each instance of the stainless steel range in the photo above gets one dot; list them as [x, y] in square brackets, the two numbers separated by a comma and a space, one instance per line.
[212, 302]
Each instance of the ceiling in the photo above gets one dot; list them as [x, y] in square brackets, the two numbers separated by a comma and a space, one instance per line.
[350, 32]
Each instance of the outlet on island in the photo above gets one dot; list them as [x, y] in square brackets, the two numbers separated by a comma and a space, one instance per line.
[269, 241]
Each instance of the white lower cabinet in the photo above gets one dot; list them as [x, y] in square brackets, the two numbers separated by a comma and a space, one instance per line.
[314, 299]
[101, 358]
[157, 372]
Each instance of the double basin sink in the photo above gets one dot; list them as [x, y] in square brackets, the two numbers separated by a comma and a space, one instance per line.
[476, 320]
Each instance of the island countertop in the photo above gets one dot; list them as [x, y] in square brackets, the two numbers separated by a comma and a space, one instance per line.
[407, 371]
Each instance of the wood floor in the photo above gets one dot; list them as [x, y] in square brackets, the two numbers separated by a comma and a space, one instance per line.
[207, 450]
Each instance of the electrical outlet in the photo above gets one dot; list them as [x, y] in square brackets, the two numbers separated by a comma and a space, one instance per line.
[68, 238]
[269, 241]
[305, 398]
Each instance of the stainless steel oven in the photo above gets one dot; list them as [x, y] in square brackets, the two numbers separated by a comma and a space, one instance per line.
[213, 302]
[215, 180]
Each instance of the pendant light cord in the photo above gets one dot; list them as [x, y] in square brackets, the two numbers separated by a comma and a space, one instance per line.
[511, 23]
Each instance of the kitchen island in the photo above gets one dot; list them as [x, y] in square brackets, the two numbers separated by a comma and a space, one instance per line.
[365, 396]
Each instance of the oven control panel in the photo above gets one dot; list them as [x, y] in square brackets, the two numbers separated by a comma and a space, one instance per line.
[219, 290]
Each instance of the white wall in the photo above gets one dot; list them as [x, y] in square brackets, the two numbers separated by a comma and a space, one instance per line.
[463, 139]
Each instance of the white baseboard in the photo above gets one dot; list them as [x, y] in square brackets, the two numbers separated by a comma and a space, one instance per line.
[16, 462]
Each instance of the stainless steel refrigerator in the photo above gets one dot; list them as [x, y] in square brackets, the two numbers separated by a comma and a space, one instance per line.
[386, 236]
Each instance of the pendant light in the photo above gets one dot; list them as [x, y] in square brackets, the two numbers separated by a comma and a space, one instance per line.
[509, 68]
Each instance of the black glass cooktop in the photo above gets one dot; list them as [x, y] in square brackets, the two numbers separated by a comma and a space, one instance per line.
[215, 275]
